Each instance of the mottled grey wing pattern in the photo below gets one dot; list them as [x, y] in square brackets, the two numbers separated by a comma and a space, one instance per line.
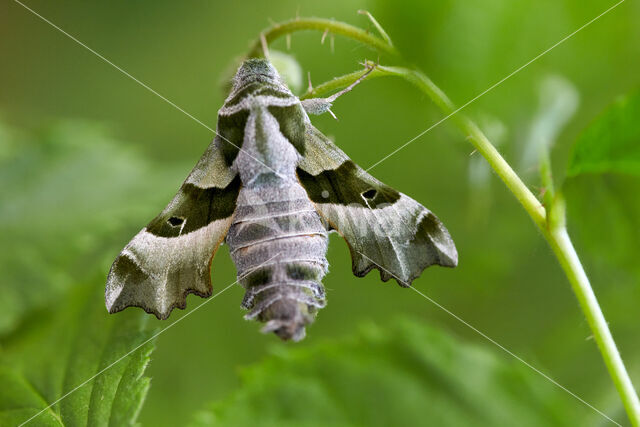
[384, 229]
[171, 257]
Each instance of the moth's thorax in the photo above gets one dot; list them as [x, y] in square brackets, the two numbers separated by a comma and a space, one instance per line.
[257, 83]
[265, 150]
[253, 70]
[258, 93]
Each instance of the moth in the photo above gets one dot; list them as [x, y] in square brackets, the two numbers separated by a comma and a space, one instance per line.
[272, 187]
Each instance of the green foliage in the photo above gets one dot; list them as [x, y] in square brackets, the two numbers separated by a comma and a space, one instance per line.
[67, 191]
[603, 188]
[604, 212]
[506, 283]
[406, 374]
[61, 348]
[612, 231]
[612, 142]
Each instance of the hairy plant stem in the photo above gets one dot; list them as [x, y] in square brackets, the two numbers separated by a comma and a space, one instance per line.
[551, 224]
[319, 24]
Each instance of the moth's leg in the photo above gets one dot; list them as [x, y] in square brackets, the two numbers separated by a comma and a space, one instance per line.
[322, 105]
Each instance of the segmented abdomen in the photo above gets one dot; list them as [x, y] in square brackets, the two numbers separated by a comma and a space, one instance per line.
[278, 244]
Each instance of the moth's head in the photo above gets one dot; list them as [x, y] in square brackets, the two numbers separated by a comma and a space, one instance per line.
[253, 70]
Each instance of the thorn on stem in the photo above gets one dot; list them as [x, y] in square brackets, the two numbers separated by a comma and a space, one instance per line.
[375, 23]
[324, 35]
[265, 46]
[542, 191]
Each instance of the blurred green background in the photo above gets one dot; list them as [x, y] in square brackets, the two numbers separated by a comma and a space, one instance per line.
[89, 156]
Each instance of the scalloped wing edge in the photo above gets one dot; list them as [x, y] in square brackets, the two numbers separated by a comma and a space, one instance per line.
[158, 273]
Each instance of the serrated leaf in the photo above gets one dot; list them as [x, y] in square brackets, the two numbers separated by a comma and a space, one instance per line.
[407, 374]
[59, 350]
[612, 142]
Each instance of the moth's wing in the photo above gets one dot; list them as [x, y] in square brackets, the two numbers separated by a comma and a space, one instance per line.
[384, 229]
[171, 257]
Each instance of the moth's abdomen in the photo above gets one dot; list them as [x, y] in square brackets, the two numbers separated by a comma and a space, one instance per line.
[278, 244]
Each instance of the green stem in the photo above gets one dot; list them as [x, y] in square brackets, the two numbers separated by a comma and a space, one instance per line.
[553, 231]
[318, 24]
[562, 246]
[337, 84]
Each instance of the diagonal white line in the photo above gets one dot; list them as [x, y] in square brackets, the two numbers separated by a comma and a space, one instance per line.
[168, 101]
[125, 355]
[371, 167]
[140, 345]
[491, 340]
[177, 107]
[503, 348]
[498, 83]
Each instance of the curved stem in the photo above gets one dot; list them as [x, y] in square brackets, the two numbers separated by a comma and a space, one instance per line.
[562, 246]
[552, 226]
[319, 24]
[553, 230]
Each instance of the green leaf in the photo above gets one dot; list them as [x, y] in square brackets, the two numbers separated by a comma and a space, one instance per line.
[68, 195]
[604, 209]
[612, 142]
[604, 221]
[59, 350]
[407, 374]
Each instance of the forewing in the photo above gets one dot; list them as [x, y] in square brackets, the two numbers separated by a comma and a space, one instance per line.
[384, 229]
[171, 257]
